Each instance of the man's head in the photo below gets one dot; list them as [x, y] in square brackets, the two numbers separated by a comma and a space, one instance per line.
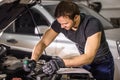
[67, 8]
[67, 13]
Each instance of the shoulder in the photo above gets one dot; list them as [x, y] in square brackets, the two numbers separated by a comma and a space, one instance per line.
[88, 17]
[56, 26]
[55, 23]
[91, 20]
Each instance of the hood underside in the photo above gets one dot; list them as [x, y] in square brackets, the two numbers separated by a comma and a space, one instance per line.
[11, 11]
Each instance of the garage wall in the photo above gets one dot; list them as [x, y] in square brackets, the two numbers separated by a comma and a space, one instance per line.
[110, 8]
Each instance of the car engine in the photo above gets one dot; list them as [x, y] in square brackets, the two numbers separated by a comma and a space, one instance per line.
[11, 68]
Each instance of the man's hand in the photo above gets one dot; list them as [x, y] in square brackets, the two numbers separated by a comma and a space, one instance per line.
[53, 65]
[29, 65]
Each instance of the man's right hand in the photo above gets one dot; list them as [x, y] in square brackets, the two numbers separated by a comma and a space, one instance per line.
[29, 65]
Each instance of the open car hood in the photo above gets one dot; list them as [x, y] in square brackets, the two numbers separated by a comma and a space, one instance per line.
[10, 11]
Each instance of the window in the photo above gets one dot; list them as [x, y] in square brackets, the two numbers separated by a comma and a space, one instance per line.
[27, 22]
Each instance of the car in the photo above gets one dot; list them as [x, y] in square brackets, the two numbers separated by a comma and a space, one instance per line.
[26, 28]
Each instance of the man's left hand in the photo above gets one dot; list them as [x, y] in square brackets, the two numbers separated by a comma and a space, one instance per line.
[53, 65]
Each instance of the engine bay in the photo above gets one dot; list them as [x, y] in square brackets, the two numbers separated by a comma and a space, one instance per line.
[11, 66]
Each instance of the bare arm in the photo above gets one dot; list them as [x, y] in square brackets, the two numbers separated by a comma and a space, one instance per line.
[47, 38]
[91, 47]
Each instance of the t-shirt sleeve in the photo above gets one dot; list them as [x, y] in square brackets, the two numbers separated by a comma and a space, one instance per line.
[56, 26]
[94, 26]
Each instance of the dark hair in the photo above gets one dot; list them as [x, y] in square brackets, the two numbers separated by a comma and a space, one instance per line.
[67, 8]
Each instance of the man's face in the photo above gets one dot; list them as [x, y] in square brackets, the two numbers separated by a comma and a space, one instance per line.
[65, 22]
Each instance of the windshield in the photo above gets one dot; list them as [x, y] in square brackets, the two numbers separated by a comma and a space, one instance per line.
[86, 10]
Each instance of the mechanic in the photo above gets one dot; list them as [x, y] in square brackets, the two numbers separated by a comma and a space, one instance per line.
[87, 33]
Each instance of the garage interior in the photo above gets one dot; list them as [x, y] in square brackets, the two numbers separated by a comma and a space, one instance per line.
[109, 9]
